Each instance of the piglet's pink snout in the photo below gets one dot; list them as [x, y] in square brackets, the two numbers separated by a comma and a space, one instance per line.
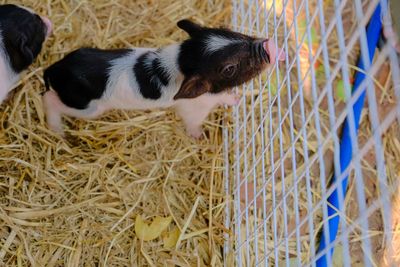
[48, 24]
[275, 53]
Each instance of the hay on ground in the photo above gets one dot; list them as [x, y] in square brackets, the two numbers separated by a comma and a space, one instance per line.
[74, 202]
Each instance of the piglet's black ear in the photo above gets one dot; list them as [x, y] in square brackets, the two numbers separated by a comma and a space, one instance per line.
[25, 50]
[190, 27]
[193, 87]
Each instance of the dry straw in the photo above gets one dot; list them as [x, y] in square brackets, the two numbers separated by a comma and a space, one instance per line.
[74, 202]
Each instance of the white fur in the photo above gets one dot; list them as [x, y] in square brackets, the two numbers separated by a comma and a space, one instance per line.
[7, 77]
[122, 92]
[215, 43]
[195, 111]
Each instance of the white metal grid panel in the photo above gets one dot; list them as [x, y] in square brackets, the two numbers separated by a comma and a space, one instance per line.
[284, 145]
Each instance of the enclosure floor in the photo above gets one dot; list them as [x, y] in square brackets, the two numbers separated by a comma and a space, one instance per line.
[74, 201]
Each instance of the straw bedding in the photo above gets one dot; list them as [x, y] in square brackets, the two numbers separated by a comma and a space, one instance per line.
[74, 202]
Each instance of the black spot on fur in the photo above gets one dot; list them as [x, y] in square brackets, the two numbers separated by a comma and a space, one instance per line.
[160, 71]
[82, 75]
[23, 34]
[151, 75]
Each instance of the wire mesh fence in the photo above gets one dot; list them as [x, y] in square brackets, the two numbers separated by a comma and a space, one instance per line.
[312, 157]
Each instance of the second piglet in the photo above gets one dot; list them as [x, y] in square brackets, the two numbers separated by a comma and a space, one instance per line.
[193, 77]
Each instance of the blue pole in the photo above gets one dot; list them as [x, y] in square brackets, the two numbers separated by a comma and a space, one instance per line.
[346, 150]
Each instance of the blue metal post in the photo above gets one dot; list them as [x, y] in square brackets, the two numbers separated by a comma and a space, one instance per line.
[346, 150]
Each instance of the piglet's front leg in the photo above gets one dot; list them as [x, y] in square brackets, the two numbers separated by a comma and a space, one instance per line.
[194, 111]
[230, 99]
[3, 93]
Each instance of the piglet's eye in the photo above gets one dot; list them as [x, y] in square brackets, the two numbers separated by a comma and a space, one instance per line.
[228, 71]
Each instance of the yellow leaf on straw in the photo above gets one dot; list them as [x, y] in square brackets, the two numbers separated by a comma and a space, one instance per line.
[140, 227]
[146, 232]
[171, 238]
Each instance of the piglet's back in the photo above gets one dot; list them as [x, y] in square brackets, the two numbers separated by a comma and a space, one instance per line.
[82, 75]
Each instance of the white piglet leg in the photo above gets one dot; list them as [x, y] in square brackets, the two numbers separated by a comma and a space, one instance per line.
[195, 111]
[3, 94]
[53, 107]
[228, 98]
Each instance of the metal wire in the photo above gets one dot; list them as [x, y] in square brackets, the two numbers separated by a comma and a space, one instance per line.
[288, 123]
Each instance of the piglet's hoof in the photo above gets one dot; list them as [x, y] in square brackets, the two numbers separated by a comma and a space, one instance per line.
[196, 133]
[57, 130]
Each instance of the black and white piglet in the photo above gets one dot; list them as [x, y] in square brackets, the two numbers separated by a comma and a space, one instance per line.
[193, 76]
[22, 33]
